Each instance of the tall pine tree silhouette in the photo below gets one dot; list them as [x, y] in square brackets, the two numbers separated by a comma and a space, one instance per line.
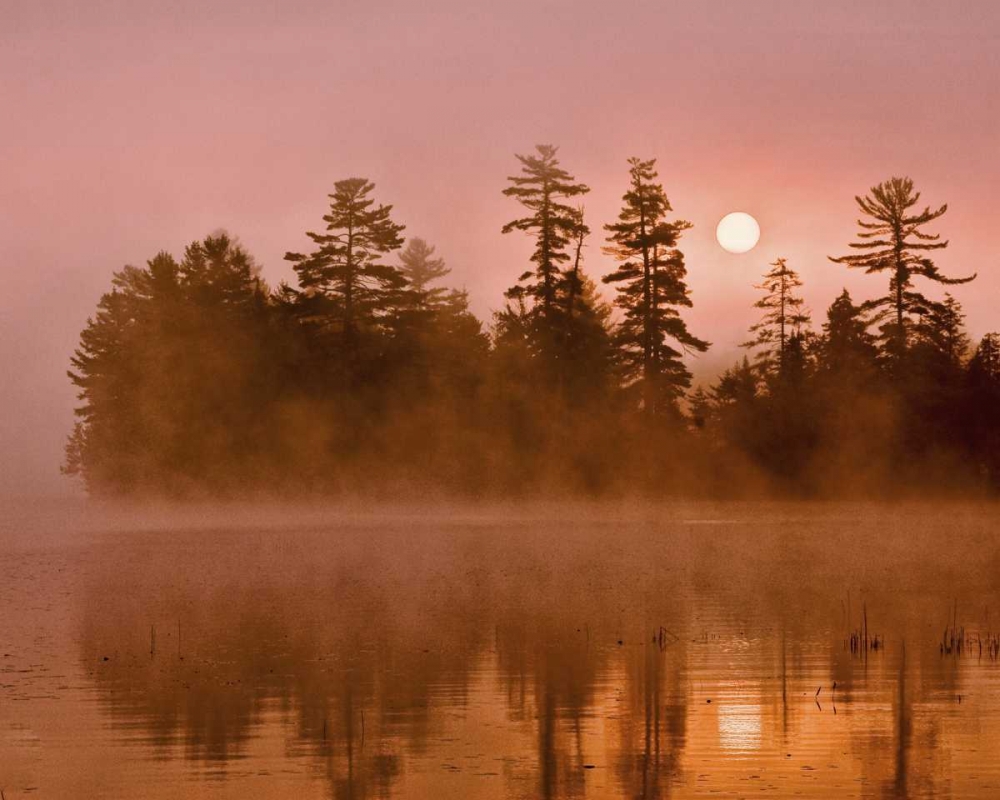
[651, 287]
[892, 239]
[346, 268]
[542, 188]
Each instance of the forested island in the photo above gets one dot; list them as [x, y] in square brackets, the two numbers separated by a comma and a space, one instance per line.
[196, 379]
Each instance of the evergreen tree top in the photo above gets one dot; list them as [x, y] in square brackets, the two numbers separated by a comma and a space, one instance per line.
[895, 239]
[540, 187]
[420, 266]
[542, 178]
[640, 221]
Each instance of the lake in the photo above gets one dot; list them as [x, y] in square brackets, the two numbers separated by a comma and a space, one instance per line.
[592, 651]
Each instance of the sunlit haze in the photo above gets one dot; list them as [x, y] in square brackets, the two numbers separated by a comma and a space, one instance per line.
[135, 127]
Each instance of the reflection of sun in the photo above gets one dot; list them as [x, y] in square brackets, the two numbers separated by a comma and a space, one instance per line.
[739, 727]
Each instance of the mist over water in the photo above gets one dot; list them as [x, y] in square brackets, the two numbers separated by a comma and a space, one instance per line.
[577, 650]
[435, 445]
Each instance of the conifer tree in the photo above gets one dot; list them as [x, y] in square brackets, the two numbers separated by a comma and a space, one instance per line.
[542, 188]
[434, 330]
[107, 447]
[218, 271]
[734, 401]
[893, 239]
[170, 372]
[940, 333]
[421, 268]
[932, 386]
[846, 348]
[737, 385]
[984, 366]
[346, 268]
[783, 320]
[981, 414]
[651, 287]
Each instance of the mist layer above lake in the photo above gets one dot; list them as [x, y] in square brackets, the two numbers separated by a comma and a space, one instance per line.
[578, 651]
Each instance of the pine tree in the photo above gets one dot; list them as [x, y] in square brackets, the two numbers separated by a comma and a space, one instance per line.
[218, 271]
[782, 322]
[846, 347]
[542, 187]
[981, 413]
[170, 373]
[940, 334]
[434, 328]
[894, 241]
[651, 276]
[108, 445]
[421, 269]
[459, 345]
[346, 268]
[984, 366]
[423, 301]
[588, 344]
[737, 385]
[931, 389]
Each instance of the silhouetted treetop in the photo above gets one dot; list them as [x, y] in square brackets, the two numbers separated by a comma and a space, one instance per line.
[893, 240]
[985, 363]
[846, 346]
[420, 267]
[783, 319]
[541, 188]
[346, 268]
[650, 281]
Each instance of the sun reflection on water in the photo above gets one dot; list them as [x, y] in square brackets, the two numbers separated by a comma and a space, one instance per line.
[739, 727]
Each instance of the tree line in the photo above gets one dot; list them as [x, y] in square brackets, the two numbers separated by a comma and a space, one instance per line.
[372, 376]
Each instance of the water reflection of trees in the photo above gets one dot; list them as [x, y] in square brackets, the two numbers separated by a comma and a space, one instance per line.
[359, 643]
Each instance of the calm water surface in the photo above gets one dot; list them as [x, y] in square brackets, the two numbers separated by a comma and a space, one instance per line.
[671, 651]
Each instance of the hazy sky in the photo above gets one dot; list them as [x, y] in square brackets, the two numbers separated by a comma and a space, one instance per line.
[129, 127]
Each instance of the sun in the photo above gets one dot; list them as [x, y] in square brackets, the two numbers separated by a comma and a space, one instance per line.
[738, 232]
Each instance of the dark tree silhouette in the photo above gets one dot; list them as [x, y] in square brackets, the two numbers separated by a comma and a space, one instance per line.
[734, 398]
[846, 346]
[217, 271]
[346, 268]
[780, 329]
[982, 409]
[893, 240]
[940, 334]
[984, 366]
[651, 286]
[542, 187]
[174, 348]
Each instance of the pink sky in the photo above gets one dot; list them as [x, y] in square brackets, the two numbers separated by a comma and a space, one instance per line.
[131, 127]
